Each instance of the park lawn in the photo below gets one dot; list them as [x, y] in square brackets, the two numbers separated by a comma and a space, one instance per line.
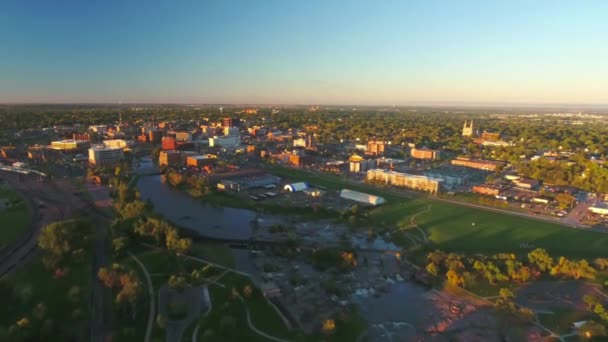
[471, 230]
[225, 307]
[561, 320]
[450, 226]
[44, 288]
[219, 254]
[14, 219]
[348, 328]
[462, 229]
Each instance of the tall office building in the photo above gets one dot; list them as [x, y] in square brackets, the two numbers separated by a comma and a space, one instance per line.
[102, 155]
[230, 122]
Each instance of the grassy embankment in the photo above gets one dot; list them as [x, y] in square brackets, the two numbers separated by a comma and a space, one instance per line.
[15, 218]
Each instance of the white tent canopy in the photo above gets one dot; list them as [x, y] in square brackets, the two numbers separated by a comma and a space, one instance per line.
[295, 187]
[361, 197]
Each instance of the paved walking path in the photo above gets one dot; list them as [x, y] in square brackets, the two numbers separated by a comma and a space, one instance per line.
[256, 330]
[150, 294]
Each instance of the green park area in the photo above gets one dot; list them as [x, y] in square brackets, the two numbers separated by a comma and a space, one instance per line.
[48, 298]
[451, 227]
[459, 228]
[14, 216]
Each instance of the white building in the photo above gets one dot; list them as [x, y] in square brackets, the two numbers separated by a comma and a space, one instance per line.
[299, 142]
[295, 187]
[69, 144]
[600, 208]
[102, 155]
[118, 143]
[226, 141]
[361, 197]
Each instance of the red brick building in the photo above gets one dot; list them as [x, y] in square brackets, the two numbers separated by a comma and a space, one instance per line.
[169, 144]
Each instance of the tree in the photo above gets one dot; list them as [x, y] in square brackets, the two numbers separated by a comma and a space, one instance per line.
[453, 278]
[119, 244]
[454, 262]
[489, 271]
[247, 291]
[541, 259]
[564, 200]
[133, 209]
[432, 269]
[523, 274]
[436, 257]
[176, 244]
[329, 325]
[505, 300]
[601, 263]
[590, 300]
[63, 241]
[575, 269]
[153, 227]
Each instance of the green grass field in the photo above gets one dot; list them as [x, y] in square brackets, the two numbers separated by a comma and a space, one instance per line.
[14, 219]
[470, 230]
[458, 228]
[65, 317]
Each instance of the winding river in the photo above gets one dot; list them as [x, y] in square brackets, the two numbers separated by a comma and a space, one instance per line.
[188, 212]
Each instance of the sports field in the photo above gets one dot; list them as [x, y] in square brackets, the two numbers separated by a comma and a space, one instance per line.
[458, 228]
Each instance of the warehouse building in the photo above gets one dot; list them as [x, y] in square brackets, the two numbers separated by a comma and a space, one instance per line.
[361, 197]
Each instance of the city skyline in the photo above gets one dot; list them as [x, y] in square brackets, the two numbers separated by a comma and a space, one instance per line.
[335, 52]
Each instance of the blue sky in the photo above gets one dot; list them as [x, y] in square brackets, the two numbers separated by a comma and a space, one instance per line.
[325, 52]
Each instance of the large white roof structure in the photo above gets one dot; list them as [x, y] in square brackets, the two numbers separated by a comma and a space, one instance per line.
[295, 187]
[361, 197]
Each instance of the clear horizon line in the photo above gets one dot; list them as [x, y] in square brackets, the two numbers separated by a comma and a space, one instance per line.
[408, 104]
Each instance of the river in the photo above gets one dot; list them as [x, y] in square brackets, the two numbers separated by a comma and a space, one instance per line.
[191, 213]
[402, 302]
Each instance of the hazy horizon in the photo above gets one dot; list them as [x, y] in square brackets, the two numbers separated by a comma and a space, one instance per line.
[471, 53]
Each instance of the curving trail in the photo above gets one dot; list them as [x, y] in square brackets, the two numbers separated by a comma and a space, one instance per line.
[256, 330]
[413, 222]
[151, 295]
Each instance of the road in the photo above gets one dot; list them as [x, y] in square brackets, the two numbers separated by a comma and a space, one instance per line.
[49, 201]
[101, 297]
